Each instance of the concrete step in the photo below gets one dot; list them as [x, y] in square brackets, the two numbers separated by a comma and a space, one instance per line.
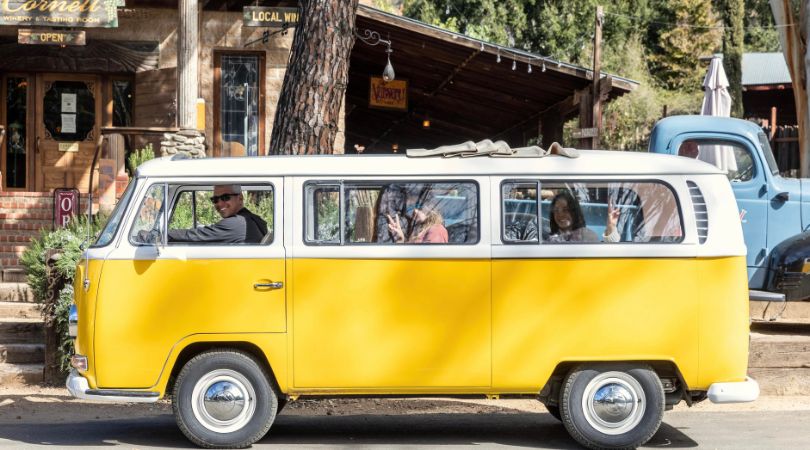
[22, 331]
[791, 381]
[13, 273]
[16, 292]
[22, 353]
[779, 350]
[20, 310]
[20, 374]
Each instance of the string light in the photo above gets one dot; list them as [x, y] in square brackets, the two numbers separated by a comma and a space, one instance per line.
[543, 68]
[514, 64]
[528, 68]
[498, 56]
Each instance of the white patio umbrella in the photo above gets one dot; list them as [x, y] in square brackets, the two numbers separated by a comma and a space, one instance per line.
[717, 102]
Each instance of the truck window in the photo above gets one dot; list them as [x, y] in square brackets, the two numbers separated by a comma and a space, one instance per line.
[730, 157]
[383, 213]
[768, 153]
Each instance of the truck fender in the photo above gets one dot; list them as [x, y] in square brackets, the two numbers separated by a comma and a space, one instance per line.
[789, 267]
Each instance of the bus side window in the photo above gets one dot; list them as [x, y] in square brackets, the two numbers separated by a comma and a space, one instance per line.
[323, 213]
[519, 208]
[580, 212]
[426, 213]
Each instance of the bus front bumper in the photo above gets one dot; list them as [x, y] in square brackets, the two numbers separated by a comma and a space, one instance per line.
[78, 387]
[736, 392]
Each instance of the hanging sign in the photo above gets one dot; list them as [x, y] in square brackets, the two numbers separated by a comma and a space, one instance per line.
[50, 37]
[65, 205]
[585, 133]
[388, 94]
[272, 17]
[63, 13]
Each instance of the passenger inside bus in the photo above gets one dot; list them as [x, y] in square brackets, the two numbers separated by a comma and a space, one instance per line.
[567, 222]
[427, 225]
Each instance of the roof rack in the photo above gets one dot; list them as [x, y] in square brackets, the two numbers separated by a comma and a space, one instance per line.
[497, 149]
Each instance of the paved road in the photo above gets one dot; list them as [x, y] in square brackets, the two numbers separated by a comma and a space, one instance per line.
[154, 427]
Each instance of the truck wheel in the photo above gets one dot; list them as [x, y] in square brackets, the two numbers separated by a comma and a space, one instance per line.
[612, 405]
[223, 399]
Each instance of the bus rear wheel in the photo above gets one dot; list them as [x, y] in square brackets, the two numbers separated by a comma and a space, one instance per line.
[612, 406]
[223, 399]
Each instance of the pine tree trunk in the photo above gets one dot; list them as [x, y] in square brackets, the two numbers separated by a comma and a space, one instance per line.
[308, 111]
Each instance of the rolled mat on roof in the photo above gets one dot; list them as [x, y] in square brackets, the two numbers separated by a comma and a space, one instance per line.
[496, 149]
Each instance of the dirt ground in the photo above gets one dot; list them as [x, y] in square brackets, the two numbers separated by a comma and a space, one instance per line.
[34, 404]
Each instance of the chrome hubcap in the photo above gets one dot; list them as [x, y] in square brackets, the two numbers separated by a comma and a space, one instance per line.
[223, 401]
[613, 403]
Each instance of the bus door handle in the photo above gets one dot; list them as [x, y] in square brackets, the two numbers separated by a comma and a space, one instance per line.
[269, 286]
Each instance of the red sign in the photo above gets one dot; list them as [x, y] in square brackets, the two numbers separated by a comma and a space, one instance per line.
[65, 206]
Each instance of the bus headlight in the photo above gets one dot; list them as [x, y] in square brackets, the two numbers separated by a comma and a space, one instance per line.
[79, 362]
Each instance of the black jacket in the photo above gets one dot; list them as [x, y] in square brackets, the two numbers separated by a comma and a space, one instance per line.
[242, 227]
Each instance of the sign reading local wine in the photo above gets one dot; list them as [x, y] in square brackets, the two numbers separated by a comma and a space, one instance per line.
[50, 37]
[60, 13]
[266, 16]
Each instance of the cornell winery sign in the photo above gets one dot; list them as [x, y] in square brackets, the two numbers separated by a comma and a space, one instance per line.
[60, 13]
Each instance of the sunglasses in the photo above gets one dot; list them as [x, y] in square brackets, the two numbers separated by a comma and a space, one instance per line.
[223, 197]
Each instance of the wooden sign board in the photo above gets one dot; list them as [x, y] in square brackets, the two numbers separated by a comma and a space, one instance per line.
[584, 133]
[388, 94]
[66, 13]
[271, 17]
[50, 37]
[69, 147]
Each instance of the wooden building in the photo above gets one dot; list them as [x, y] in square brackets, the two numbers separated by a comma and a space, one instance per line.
[163, 62]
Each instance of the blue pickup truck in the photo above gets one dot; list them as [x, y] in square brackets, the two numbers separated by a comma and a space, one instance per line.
[775, 211]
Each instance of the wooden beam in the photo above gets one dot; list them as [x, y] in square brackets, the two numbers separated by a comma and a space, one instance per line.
[596, 96]
[564, 108]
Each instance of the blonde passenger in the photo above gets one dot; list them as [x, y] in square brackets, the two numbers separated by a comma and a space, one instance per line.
[427, 227]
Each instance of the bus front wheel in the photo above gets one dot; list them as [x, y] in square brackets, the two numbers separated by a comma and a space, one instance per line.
[612, 405]
[223, 399]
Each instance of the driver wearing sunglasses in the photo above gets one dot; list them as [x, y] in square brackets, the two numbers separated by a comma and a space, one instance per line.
[238, 224]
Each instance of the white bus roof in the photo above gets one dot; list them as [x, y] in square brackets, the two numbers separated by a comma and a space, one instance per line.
[589, 163]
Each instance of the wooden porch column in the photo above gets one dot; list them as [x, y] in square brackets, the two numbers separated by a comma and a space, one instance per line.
[585, 116]
[551, 127]
[187, 64]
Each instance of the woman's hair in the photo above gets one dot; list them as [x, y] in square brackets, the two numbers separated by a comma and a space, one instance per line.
[432, 217]
[577, 220]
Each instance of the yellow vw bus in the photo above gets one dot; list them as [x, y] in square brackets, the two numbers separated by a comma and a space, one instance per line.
[610, 286]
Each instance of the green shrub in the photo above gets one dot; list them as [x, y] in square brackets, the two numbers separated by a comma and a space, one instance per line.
[67, 243]
[140, 156]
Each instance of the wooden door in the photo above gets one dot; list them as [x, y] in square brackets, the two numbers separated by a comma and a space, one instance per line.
[68, 121]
